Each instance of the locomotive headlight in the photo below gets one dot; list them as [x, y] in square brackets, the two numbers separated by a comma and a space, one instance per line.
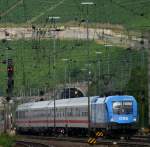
[112, 119]
[134, 119]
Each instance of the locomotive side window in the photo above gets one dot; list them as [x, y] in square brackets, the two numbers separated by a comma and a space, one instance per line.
[122, 107]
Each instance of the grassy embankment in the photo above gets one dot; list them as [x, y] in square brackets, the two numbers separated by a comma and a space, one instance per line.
[34, 66]
[125, 12]
[6, 141]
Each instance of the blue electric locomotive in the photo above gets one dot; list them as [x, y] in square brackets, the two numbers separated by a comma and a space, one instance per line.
[117, 113]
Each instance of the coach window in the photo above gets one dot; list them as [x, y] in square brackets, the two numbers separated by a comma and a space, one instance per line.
[17, 114]
[38, 114]
[21, 114]
[79, 112]
[43, 113]
[25, 114]
[73, 112]
[56, 113]
[76, 112]
[49, 112]
[1, 116]
[52, 112]
[32, 113]
[35, 113]
[63, 112]
[70, 112]
[60, 113]
[83, 114]
[86, 113]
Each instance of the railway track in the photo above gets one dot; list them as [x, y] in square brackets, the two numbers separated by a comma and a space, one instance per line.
[136, 141]
[29, 143]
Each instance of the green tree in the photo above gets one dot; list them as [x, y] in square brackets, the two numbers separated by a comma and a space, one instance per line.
[138, 87]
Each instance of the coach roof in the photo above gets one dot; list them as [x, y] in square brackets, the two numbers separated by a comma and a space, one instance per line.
[82, 101]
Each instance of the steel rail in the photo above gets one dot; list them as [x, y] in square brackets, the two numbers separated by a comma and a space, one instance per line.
[29, 143]
[136, 142]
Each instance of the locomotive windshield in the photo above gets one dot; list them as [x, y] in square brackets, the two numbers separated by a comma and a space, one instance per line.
[122, 107]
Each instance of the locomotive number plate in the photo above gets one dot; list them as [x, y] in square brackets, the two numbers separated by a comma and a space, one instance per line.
[123, 118]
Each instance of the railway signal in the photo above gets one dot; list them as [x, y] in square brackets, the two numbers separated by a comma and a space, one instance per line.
[10, 71]
[10, 80]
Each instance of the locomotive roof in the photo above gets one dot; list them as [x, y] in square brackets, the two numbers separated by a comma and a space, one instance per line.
[119, 98]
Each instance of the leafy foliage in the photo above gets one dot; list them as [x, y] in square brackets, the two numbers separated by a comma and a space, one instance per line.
[138, 86]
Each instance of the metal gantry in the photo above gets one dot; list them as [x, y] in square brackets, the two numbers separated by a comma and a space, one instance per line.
[53, 20]
[99, 71]
[149, 78]
[87, 4]
[65, 60]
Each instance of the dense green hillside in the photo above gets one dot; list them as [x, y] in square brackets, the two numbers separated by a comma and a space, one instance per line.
[115, 69]
[34, 64]
[125, 12]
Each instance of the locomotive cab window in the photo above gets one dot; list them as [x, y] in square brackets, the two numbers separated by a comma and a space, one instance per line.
[122, 107]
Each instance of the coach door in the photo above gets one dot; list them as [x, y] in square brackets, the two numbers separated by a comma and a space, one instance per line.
[66, 122]
[50, 117]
